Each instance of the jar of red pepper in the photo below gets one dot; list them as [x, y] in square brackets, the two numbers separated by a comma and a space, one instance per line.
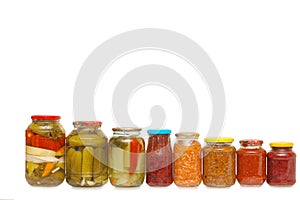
[159, 158]
[281, 164]
[251, 163]
[45, 151]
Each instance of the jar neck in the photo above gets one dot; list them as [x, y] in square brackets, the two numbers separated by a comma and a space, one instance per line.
[126, 133]
[281, 148]
[218, 143]
[251, 147]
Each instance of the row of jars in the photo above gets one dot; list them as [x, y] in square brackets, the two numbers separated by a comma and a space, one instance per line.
[87, 158]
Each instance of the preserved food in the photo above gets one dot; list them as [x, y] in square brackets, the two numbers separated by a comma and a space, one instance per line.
[159, 158]
[219, 162]
[281, 164]
[187, 160]
[126, 157]
[86, 155]
[251, 163]
[45, 151]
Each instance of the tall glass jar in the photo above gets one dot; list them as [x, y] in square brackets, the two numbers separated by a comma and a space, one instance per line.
[219, 162]
[45, 151]
[251, 163]
[126, 157]
[187, 160]
[159, 158]
[86, 155]
[281, 164]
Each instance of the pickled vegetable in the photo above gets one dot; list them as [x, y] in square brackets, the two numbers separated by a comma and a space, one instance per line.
[45, 139]
[126, 161]
[86, 157]
[219, 164]
[187, 164]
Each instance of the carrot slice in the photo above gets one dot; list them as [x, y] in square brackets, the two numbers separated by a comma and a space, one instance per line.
[49, 167]
[61, 151]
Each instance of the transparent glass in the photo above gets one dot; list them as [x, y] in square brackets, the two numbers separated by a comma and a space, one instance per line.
[159, 160]
[251, 165]
[281, 166]
[187, 160]
[219, 164]
[45, 151]
[126, 157]
[86, 155]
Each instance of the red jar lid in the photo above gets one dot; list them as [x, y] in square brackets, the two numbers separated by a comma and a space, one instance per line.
[251, 142]
[45, 117]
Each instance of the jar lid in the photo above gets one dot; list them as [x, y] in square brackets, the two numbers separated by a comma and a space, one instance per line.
[218, 139]
[251, 142]
[45, 117]
[126, 129]
[87, 123]
[281, 144]
[187, 135]
[159, 131]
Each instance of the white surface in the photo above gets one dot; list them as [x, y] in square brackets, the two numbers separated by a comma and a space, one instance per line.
[254, 44]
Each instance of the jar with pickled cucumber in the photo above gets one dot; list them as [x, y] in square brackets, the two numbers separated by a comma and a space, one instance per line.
[126, 156]
[45, 151]
[86, 155]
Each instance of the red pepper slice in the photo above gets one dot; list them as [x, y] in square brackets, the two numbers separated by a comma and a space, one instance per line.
[45, 143]
[135, 149]
[29, 135]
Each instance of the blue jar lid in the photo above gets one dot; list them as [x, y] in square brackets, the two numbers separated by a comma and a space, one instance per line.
[159, 131]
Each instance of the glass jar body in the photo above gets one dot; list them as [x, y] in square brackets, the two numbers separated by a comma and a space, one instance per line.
[86, 155]
[45, 151]
[219, 164]
[159, 160]
[281, 166]
[251, 165]
[126, 158]
[187, 161]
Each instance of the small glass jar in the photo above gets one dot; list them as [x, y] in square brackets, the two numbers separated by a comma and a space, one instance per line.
[159, 158]
[86, 155]
[281, 164]
[251, 163]
[187, 160]
[45, 151]
[126, 157]
[219, 162]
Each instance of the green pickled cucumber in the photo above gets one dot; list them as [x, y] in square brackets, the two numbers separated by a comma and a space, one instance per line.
[87, 163]
[100, 162]
[68, 159]
[86, 140]
[76, 162]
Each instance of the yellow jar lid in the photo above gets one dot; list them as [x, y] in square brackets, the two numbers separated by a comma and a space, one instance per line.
[281, 144]
[219, 139]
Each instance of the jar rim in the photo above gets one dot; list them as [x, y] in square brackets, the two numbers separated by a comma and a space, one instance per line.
[281, 144]
[251, 142]
[219, 140]
[126, 129]
[45, 117]
[87, 123]
[187, 135]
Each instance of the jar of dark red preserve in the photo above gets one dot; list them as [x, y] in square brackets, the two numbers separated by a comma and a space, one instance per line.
[159, 158]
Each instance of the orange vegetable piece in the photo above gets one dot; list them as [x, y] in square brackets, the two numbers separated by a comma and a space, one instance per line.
[61, 151]
[49, 167]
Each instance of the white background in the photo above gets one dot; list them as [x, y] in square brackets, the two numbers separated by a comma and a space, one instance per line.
[255, 46]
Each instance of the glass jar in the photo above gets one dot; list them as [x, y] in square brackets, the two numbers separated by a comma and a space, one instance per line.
[219, 162]
[187, 160]
[45, 151]
[86, 155]
[159, 158]
[281, 164]
[126, 157]
[251, 163]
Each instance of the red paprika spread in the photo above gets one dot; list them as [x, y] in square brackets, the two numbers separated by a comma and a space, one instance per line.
[281, 163]
[251, 163]
[159, 158]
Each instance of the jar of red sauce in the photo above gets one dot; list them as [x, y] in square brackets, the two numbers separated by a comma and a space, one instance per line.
[281, 164]
[159, 158]
[251, 163]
